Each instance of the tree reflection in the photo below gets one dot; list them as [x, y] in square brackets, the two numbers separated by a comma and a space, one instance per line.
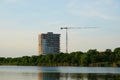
[74, 76]
[104, 77]
[48, 76]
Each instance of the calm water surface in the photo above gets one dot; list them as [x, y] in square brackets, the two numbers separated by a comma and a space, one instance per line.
[58, 73]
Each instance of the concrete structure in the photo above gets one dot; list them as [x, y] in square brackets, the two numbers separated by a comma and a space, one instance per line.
[49, 43]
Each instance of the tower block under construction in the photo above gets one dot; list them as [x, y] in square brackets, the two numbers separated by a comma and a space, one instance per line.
[49, 43]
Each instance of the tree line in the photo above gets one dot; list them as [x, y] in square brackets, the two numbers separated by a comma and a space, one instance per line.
[90, 58]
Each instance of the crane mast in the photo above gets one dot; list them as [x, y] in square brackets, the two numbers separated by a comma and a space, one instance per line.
[66, 28]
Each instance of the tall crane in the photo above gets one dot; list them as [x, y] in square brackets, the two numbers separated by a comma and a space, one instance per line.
[66, 28]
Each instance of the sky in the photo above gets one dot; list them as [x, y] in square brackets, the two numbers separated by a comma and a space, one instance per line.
[21, 21]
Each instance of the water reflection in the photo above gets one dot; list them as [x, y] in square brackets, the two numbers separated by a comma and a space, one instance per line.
[58, 73]
[74, 76]
[48, 76]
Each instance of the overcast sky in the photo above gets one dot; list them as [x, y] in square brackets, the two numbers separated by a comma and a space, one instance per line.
[22, 20]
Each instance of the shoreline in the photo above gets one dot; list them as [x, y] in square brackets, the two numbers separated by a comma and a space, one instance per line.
[57, 65]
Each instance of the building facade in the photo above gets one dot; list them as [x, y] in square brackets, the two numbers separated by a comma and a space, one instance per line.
[49, 43]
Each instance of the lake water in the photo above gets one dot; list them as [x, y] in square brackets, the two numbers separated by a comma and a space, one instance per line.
[58, 73]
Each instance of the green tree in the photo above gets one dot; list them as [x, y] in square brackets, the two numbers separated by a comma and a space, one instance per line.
[84, 60]
[93, 56]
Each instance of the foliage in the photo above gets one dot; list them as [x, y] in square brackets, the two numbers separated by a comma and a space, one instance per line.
[89, 58]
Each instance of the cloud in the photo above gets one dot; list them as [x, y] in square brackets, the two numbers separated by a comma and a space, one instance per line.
[93, 14]
[7, 22]
[95, 8]
[18, 42]
[86, 42]
[11, 24]
[11, 1]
